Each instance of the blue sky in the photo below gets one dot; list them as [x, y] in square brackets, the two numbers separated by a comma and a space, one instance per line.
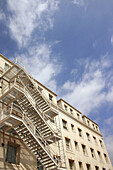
[67, 46]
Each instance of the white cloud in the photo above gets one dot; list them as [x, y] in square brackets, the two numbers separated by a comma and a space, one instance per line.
[41, 64]
[2, 15]
[28, 15]
[89, 92]
[112, 40]
[78, 2]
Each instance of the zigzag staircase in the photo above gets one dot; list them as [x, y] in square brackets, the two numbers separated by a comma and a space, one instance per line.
[22, 90]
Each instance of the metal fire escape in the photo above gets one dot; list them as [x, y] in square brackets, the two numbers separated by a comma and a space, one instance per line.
[27, 113]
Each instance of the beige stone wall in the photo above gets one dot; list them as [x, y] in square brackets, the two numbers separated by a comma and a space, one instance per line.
[26, 161]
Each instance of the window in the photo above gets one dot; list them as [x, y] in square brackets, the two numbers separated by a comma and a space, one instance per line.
[6, 66]
[96, 167]
[80, 166]
[78, 116]
[12, 155]
[88, 166]
[68, 145]
[50, 97]
[99, 154]
[101, 143]
[40, 89]
[76, 145]
[97, 128]
[71, 164]
[71, 111]
[88, 123]
[84, 149]
[80, 132]
[95, 140]
[65, 107]
[106, 158]
[72, 127]
[64, 124]
[92, 153]
[103, 168]
[88, 136]
[93, 126]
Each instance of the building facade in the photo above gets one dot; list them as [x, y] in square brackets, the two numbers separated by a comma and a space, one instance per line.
[39, 132]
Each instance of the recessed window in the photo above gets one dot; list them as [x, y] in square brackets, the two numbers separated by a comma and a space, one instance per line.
[71, 164]
[95, 140]
[12, 155]
[80, 132]
[78, 116]
[68, 144]
[88, 166]
[99, 154]
[80, 166]
[71, 111]
[72, 127]
[106, 158]
[96, 168]
[92, 152]
[84, 149]
[93, 126]
[103, 168]
[6, 67]
[88, 136]
[101, 144]
[76, 145]
[88, 123]
[64, 124]
[97, 128]
[65, 107]
[40, 89]
[50, 97]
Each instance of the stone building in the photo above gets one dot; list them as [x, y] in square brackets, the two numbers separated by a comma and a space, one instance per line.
[39, 132]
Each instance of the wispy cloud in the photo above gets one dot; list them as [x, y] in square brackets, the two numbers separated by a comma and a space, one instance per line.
[2, 15]
[78, 2]
[28, 15]
[41, 63]
[94, 88]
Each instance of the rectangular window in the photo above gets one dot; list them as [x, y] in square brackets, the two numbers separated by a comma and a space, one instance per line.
[72, 127]
[78, 116]
[80, 132]
[64, 124]
[95, 140]
[99, 154]
[71, 111]
[92, 153]
[88, 136]
[71, 164]
[84, 150]
[6, 67]
[12, 154]
[101, 143]
[50, 97]
[88, 123]
[93, 126]
[76, 145]
[65, 107]
[80, 166]
[96, 168]
[106, 158]
[88, 166]
[68, 145]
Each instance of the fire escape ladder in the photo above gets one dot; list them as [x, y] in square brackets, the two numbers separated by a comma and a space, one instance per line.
[21, 88]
